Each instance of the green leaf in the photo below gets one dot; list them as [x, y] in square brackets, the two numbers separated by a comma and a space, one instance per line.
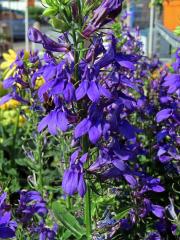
[68, 220]
[123, 213]
[50, 11]
[66, 235]
[56, 23]
[27, 163]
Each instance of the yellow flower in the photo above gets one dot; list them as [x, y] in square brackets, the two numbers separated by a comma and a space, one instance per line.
[39, 82]
[22, 120]
[9, 58]
[9, 117]
[10, 104]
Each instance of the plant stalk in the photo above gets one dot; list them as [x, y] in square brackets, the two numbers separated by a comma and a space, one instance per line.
[40, 163]
[87, 199]
[85, 145]
[87, 209]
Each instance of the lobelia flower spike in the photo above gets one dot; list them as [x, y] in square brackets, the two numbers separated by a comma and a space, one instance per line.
[106, 12]
[19, 81]
[95, 96]
[168, 117]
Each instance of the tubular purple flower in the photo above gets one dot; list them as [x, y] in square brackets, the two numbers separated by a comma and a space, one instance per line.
[7, 226]
[163, 114]
[172, 82]
[36, 36]
[106, 12]
[75, 9]
[148, 207]
[73, 179]
[31, 203]
[56, 119]
[14, 96]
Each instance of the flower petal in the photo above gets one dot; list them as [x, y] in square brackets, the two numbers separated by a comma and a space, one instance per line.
[163, 114]
[82, 128]
[82, 89]
[95, 133]
[93, 92]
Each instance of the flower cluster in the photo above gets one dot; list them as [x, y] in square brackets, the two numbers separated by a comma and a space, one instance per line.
[30, 204]
[7, 225]
[168, 117]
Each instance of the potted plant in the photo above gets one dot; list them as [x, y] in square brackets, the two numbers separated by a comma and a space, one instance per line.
[171, 14]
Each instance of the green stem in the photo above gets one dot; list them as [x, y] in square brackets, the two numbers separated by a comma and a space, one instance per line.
[87, 208]
[87, 200]
[15, 132]
[69, 204]
[40, 165]
[16, 128]
[85, 144]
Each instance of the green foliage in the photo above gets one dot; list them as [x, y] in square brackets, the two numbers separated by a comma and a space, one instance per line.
[68, 221]
[36, 13]
[123, 213]
[177, 31]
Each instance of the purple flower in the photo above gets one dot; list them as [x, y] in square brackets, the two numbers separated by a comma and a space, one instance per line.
[163, 114]
[45, 233]
[31, 203]
[106, 12]
[153, 236]
[90, 86]
[107, 221]
[11, 81]
[176, 64]
[151, 184]
[148, 207]
[172, 82]
[94, 124]
[14, 96]
[50, 45]
[57, 82]
[73, 179]
[95, 49]
[125, 224]
[117, 159]
[93, 89]
[7, 226]
[55, 120]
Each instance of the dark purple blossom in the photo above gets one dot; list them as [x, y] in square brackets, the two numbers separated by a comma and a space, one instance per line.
[73, 179]
[154, 236]
[44, 232]
[7, 226]
[94, 125]
[172, 82]
[106, 12]
[36, 36]
[31, 203]
[55, 120]
[151, 184]
[163, 114]
[148, 207]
